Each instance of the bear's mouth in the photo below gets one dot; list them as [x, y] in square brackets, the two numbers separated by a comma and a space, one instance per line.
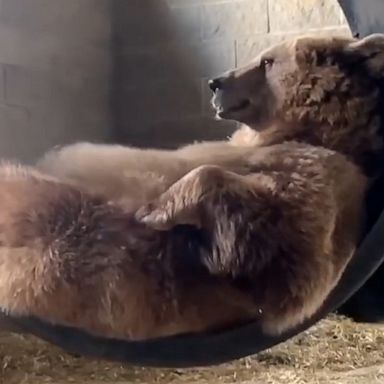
[235, 108]
[223, 111]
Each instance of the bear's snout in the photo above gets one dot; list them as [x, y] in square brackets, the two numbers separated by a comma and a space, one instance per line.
[216, 84]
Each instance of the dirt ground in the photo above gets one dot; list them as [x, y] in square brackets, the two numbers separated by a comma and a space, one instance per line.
[336, 351]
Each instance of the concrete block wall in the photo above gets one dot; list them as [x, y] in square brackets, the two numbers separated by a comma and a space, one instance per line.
[167, 49]
[133, 71]
[55, 64]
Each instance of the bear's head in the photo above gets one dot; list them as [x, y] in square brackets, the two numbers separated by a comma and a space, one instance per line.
[326, 91]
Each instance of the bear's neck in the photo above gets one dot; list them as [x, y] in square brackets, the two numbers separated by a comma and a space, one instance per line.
[361, 141]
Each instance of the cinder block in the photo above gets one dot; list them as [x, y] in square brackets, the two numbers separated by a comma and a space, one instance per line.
[13, 116]
[27, 87]
[231, 19]
[159, 101]
[187, 22]
[88, 20]
[2, 83]
[299, 15]
[180, 3]
[175, 61]
[142, 23]
[151, 23]
[138, 66]
[40, 50]
[15, 137]
[18, 47]
[213, 57]
[56, 61]
[62, 124]
[79, 57]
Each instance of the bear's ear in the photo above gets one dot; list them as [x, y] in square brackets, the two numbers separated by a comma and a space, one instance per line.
[306, 50]
[369, 50]
[310, 50]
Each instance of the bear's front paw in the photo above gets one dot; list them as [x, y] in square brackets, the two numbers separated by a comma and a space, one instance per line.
[183, 203]
[156, 215]
[168, 212]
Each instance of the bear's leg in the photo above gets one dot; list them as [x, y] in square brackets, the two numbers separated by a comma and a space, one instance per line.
[280, 254]
[229, 208]
[185, 202]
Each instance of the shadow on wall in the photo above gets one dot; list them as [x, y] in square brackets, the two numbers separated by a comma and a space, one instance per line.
[54, 74]
[159, 87]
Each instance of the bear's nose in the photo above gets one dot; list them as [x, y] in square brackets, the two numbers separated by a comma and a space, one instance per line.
[215, 84]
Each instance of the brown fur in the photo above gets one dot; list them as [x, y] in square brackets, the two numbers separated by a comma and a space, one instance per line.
[269, 230]
[74, 259]
[130, 175]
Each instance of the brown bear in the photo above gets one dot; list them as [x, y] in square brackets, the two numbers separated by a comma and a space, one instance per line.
[263, 236]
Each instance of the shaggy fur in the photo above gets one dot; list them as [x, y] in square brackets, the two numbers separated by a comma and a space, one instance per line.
[264, 225]
[134, 176]
[75, 259]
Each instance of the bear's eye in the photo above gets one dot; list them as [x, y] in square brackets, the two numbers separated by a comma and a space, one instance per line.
[267, 63]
